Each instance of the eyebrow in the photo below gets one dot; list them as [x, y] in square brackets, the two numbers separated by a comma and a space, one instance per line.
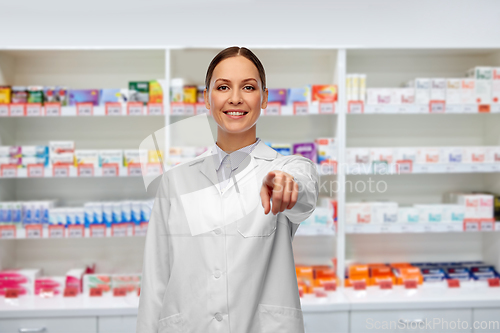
[246, 80]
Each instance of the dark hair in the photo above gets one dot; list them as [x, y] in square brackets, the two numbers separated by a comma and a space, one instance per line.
[233, 52]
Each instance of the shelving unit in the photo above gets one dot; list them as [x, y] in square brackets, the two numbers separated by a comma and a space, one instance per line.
[378, 126]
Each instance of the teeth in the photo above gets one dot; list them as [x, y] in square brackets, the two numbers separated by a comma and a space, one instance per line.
[236, 113]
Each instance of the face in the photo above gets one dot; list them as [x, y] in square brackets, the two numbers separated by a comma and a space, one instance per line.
[235, 97]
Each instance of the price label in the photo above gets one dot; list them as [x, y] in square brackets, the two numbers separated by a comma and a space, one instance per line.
[119, 292]
[154, 169]
[300, 108]
[359, 285]
[52, 109]
[188, 109]
[4, 110]
[201, 109]
[141, 229]
[134, 169]
[7, 232]
[451, 168]
[385, 284]
[84, 109]
[487, 225]
[75, 231]
[404, 166]
[330, 285]
[437, 106]
[326, 108]
[471, 225]
[469, 108]
[113, 109]
[155, 109]
[355, 107]
[119, 230]
[9, 171]
[33, 231]
[273, 109]
[134, 108]
[17, 110]
[494, 283]
[453, 283]
[70, 292]
[56, 231]
[410, 284]
[384, 229]
[36, 170]
[483, 108]
[428, 228]
[60, 170]
[177, 109]
[85, 170]
[110, 170]
[97, 230]
[95, 292]
[33, 110]
[11, 293]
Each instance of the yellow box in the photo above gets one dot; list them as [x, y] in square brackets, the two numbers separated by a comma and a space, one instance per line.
[5, 95]
[154, 156]
[155, 92]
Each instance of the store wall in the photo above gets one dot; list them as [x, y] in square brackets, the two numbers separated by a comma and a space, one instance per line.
[356, 23]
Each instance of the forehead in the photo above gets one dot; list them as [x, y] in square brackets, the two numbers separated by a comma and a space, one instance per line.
[235, 68]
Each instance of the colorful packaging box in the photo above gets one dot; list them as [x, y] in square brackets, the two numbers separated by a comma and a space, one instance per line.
[35, 94]
[282, 148]
[139, 91]
[111, 156]
[34, 151]
[50, 284]
[21, 279]
[56, 95]
[483, 77]
[155, 92]
[83, 96]
[306, 149]
[112, 96]
[324, 93]
[5, 93]
[134, 156]
[277, 96]
[190, 94]
[84, 156]
[19, 95]
[326, 150]
[299, 95]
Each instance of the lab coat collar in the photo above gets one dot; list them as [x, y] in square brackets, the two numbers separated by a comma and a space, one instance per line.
[207, 164]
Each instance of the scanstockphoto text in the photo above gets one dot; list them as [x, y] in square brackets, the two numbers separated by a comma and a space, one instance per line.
[431, 324]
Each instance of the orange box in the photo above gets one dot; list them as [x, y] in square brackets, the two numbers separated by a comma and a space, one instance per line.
[304, 272]
[375, 281]
[380, 271]
[358, 271]
[324, 93]
[323, 272]
[408, 273]
[328, 283]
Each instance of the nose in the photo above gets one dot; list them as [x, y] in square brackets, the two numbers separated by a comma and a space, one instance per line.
[235, 97]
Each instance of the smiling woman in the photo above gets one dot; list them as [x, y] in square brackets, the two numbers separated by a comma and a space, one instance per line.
[218, 257]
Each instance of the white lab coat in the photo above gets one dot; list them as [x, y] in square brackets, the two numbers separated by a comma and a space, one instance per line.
[215, 270]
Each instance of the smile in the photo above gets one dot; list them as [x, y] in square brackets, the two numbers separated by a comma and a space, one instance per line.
[235, 113]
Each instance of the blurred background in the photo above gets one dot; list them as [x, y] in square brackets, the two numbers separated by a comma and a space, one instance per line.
[397, 103]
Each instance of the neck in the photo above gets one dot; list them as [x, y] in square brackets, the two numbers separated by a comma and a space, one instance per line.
[230, 142]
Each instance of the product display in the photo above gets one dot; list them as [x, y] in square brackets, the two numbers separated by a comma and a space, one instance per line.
[317, 280]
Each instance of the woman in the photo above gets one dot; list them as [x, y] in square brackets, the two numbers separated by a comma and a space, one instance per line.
[218, 255]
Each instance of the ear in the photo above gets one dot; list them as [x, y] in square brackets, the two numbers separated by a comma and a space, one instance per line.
[264, 99]
[205, 97]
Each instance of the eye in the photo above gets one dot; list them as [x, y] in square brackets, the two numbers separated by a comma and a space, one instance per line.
[249, 88]
[222, 88]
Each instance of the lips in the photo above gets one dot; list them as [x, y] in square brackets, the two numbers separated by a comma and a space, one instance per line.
[235, 112]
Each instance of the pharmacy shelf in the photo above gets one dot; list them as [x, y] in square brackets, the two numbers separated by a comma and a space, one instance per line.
[119, 109]
[406, 168]
[423, 109]
[35, 231]
[410, 228]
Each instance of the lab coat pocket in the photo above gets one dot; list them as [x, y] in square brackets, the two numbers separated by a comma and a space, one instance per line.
[173, 324]
[279, 319]
[257, 223]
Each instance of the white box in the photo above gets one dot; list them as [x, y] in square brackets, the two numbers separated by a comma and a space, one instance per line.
[358, 212]
[358, 155]
[406, 154]
[452, 154]
[438, 89]
[486, 209]
[63, 158]
[21, 279]
[382, 154]
[453, 213]
[477, 205]
[326, 150]
[378, 96]
[430, 213]
[408, 215]
[384, 212]
[428, 155]
[495, 85]
[84, 156]
[111, 156]
[134, 156]
[4, 151]
[322, 217]
[493, 154]
[474, 155]
[483, 77]
[467, 91]
[61, 147]
[453, 89]
[403, 96]
[422, 90]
